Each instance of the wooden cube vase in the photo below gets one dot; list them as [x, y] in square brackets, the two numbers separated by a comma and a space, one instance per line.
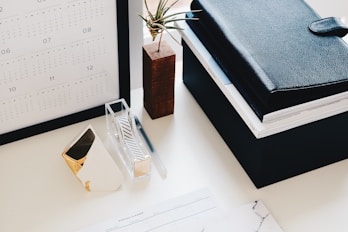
[158, 79]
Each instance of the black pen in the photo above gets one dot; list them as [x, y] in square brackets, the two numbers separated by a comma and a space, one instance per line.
[160, 166]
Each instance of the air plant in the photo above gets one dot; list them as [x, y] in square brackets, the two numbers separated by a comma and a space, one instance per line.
[158, 23]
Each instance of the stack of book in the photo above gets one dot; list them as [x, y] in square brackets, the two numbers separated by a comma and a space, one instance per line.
[285, 81]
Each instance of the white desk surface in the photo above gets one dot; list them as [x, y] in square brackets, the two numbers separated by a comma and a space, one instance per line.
[39, 193]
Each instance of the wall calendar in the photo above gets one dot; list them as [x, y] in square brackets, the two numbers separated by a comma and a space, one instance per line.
[59, 61]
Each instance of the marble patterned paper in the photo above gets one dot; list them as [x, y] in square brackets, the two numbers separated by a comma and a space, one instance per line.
[251, 217]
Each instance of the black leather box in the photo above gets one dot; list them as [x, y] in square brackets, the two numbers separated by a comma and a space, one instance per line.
[275, 155]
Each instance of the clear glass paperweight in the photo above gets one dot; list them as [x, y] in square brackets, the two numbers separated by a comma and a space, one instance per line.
[125, 137]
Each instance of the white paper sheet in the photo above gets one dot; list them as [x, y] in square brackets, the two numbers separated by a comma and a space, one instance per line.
[193, 212]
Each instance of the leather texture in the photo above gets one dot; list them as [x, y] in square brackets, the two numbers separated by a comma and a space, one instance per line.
[269, 53]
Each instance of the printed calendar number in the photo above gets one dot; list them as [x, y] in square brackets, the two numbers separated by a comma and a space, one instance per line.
[5, 51]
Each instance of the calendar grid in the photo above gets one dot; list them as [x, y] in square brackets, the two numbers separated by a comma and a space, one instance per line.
[56, 58]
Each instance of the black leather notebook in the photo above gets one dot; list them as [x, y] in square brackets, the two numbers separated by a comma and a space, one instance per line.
[269, 53]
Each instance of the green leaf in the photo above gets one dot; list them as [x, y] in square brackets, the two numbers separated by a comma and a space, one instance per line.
[157, 23]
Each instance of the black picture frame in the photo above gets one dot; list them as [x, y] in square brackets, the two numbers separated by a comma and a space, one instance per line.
[124, 85]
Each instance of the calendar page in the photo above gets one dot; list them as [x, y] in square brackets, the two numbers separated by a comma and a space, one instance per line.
[57, 57]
